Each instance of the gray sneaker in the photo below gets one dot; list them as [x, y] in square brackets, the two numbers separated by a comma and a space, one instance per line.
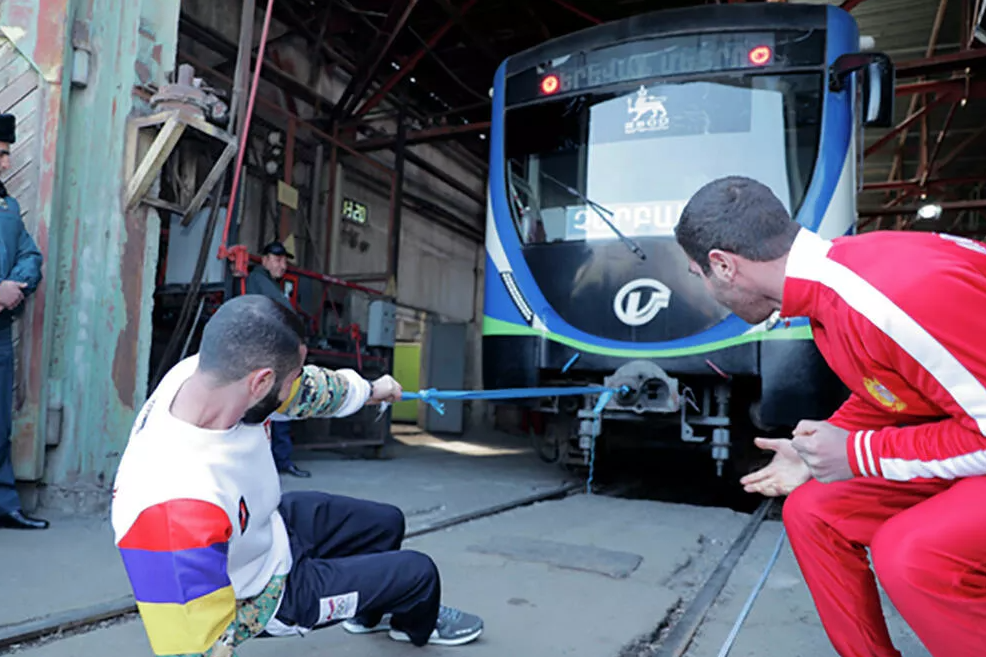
[356, 626]
[454, 628]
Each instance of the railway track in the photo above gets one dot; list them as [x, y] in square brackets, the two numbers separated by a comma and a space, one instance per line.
[683, 630]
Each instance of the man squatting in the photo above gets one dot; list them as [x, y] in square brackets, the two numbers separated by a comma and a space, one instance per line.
[899, 468]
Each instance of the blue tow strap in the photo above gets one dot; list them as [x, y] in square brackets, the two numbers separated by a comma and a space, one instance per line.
[433, 397]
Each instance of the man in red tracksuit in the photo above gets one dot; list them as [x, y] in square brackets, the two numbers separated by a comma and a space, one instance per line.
[900, 317]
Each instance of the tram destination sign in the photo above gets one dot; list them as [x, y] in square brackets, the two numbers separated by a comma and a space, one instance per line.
[650, 58]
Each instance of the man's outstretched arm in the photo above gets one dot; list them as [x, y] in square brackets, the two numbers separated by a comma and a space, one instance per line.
[321, 392]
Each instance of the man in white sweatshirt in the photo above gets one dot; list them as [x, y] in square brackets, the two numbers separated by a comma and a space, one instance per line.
[215, 554]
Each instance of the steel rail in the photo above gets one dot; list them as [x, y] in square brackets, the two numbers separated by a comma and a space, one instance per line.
[676, 643]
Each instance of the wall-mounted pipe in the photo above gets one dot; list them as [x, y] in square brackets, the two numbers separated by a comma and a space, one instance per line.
[223, 252]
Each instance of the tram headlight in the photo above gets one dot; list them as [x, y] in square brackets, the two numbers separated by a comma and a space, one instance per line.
[518, 298]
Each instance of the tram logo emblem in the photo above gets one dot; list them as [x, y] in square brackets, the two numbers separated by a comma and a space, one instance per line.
[646, 113]
[639, 301]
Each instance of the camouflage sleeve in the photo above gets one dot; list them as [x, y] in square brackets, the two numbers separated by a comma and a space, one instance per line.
[321, 392]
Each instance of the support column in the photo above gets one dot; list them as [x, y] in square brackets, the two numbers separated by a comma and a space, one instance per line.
[397, 202]
[103, 278]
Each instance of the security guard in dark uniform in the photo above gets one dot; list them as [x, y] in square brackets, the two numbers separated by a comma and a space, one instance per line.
[264, 280]
[20, 274]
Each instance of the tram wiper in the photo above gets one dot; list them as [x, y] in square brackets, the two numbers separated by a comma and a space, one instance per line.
[602, 212]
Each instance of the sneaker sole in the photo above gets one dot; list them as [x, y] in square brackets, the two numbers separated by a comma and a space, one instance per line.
[467, 638]
[360, 629]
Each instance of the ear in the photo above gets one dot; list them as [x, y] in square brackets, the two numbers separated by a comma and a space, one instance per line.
[722, 263]
[261, 381]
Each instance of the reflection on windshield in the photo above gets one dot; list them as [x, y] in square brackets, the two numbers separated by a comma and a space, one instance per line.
[601, 214]
[643, 153]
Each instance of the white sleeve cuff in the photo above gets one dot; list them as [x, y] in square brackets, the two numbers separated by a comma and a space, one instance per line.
[359, 393]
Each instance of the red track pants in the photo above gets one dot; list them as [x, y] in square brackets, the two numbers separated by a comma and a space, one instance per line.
[928, 544]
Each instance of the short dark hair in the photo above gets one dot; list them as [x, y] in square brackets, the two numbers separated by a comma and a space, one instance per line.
[738, 215]
[248, 333]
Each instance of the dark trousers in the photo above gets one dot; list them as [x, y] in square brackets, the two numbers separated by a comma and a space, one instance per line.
[348, 563]
[280, 443]
[9, 501]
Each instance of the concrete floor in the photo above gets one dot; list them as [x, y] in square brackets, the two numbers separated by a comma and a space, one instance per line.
[531, 608]
[585, 576]
[430, 479]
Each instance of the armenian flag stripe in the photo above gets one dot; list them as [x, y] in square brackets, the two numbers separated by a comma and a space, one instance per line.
[176, 577]
[191, 628]
[175, 525]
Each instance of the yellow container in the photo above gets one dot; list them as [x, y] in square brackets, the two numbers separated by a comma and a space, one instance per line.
[407, 371]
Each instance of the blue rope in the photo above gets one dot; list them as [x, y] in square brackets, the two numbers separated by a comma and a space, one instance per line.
[600, 405]
[432, 396]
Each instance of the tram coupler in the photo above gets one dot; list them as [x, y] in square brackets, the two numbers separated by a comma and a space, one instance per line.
[644, 387]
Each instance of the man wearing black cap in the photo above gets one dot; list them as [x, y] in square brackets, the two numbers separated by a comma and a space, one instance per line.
[20, 274]
[264, 280]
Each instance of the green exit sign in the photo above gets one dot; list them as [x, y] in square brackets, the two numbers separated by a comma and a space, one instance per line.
[354, 211]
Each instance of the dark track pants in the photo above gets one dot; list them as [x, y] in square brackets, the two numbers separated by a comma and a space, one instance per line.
[348, 563]
[9, 501]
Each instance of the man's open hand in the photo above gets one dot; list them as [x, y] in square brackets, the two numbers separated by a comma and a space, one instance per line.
[385, 389]
[822, 446]
[785, 472]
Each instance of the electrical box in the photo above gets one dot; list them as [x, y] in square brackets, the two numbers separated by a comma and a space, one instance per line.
[381, 328]
[184, 243]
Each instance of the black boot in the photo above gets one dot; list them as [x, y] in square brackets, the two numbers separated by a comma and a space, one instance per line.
[17, 520]
[294, 470]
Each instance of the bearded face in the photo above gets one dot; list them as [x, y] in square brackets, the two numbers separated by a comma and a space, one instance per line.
[260, 411]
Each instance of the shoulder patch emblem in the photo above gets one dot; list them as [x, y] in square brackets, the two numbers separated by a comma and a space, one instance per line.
[883, 395]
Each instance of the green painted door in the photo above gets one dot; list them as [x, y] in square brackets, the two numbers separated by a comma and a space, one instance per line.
[407, 371]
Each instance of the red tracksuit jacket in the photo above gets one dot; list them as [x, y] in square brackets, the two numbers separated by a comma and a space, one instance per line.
[900, 317]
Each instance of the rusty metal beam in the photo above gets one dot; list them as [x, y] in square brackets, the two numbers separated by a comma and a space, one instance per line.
[419, 136]
[408, 66]
[915, 186]
[959, 148]
[425, 118]
[302, 26]
[901, 127]
[926, 170]
[946, 206]
[274, 108]
[956, 61]
[898, 161]
[953, 88]
[484, 45]
[578, 12]
[400, 11]
[270, 72]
